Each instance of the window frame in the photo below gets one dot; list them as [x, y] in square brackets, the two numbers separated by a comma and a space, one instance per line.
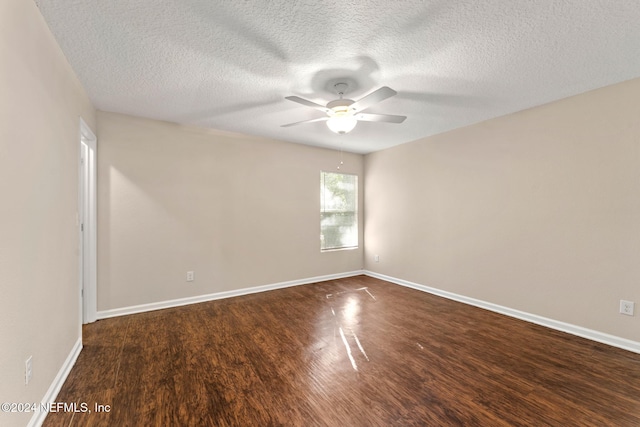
[355, 212]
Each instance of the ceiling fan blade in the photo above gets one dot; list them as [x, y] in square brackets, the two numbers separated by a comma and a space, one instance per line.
[307, 103]
[373, 98]
[321, 119]
[389, 118]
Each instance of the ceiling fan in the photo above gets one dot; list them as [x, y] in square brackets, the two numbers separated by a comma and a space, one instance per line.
[342, 115]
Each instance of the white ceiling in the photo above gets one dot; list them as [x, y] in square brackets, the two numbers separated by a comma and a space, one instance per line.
[228, 64]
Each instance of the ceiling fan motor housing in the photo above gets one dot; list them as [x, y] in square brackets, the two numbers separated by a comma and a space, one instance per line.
[340, 106]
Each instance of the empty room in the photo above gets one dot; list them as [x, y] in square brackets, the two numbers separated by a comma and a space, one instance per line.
[297, 213]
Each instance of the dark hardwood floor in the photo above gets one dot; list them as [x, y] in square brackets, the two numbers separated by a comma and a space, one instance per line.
[349, 352]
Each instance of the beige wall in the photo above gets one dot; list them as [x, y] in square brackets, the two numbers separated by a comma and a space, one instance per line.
[239, 211]
[40, 104]
[537, 211]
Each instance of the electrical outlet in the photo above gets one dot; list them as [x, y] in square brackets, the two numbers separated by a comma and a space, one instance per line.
[626, 307]
[28, 369]
[376, 258]
[190, 276]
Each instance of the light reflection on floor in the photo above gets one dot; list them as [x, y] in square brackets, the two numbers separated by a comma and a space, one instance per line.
[337, 334]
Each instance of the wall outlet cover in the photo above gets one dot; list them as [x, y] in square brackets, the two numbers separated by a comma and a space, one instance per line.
[28, 369]
[627, 307]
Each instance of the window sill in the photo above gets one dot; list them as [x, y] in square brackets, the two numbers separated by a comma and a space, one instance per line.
[339, 249]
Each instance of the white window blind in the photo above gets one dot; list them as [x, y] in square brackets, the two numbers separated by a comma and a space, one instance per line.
[338, 211]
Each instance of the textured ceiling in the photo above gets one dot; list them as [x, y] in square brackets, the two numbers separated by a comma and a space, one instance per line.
[229, 64]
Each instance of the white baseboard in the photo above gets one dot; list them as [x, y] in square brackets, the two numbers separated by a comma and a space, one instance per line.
[590, 334]
[50, 396]
[105, 314]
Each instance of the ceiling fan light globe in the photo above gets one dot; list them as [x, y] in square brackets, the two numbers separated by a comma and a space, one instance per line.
[342, 124]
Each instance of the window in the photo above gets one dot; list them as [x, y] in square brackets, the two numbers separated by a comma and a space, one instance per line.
[338, 211]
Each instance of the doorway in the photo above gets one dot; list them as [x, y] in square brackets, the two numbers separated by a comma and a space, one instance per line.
[87, 216]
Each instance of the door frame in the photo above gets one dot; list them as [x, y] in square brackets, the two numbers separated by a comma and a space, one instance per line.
[87, 223]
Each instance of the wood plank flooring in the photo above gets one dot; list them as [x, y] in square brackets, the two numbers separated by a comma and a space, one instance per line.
[349, 352]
